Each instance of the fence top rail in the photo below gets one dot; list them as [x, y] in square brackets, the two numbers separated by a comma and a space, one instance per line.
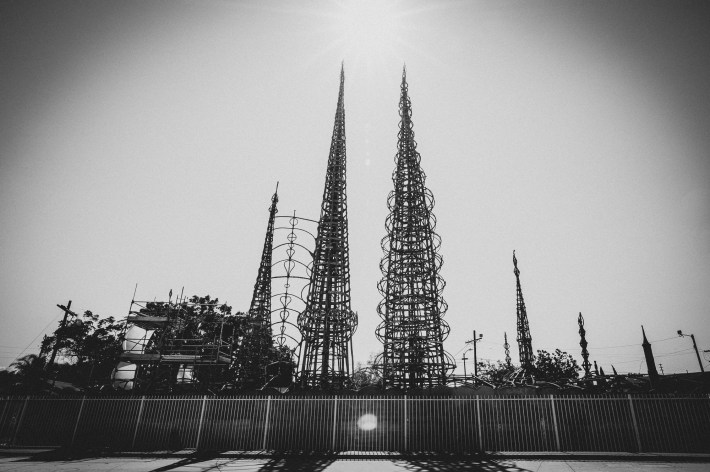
[365, 398]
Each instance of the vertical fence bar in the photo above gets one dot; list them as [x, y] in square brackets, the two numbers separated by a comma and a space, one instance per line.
[554, 422]
[78, 418]
[266, 422]
[635, 423]
[335, 422]
[478, 422]
[406, 420]
[202, 417]
[138, 422]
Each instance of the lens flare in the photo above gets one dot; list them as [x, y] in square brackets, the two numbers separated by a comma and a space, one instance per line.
[367, 422]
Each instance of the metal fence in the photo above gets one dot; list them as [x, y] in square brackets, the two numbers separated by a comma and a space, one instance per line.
[456, 425]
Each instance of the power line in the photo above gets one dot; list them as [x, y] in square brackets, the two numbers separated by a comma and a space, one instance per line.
[38, 335]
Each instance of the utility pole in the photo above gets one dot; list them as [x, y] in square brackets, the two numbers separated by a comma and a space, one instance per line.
[695, 346]
[56, 341]
[661, 367]
[464, 359]
[475, 357]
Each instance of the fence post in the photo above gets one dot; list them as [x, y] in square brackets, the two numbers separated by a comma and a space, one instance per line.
[478, 422]
[78, 418]
[138, 422]
[636, 425]
[19, 421]
[335, 421]
[554, 422]
[266, 422]
[406, 420]
[199, 428]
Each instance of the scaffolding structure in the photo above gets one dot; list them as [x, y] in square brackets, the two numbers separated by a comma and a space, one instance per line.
[181, 345]
[328, 323]
[412, 330]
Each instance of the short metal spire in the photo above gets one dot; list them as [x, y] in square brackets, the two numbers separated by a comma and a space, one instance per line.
[583, 343]
[506, 346]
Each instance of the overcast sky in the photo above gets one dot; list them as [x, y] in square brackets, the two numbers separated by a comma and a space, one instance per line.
[140, 142]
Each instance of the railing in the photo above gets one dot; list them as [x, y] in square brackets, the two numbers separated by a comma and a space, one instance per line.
[456, 425]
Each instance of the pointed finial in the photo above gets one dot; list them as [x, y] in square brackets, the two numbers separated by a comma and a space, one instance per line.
[275, 196]
[645, 341]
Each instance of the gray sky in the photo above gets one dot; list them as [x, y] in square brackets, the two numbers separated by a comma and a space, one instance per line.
[140, 142]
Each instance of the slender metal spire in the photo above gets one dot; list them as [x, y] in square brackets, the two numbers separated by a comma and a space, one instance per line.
[413, 329]
[524, 339]
[583, 343]
[256, 349]
[328, 323]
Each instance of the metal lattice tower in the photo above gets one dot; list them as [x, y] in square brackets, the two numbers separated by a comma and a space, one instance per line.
[256, 349]
[524, 339]
[583, 343]
[412, 330]
[327, 323]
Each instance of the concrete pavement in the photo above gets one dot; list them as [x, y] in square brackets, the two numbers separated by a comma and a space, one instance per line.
[361, 463]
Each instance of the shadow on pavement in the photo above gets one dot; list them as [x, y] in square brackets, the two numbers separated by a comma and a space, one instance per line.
[286, 463]
[456, 464]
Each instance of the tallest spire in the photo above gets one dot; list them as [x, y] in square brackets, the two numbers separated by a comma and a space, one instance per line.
[327, 323]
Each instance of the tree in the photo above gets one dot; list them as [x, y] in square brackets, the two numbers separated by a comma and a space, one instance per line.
[494, 373]
[89, 347]
[558, 367]
[29, 375]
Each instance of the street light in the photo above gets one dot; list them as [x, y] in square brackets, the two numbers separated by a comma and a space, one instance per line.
[475, 358]
[695, 346]
[464, 358]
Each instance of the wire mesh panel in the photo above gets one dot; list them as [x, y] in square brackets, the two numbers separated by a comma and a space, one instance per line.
[442, 425]
[517, 424]
[300, 424]
[169, 424]
[673, 424]
[107, 423]
[233, 424]
[48, 422]
[369, 424]
[595, 424]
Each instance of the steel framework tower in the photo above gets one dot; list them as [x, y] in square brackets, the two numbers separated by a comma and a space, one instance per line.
[583, 343]
[328, 323]
[256, 349]
[412, 330]
[524, 339]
